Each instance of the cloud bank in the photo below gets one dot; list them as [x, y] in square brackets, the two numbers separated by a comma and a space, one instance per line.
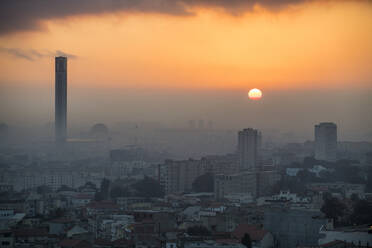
[24, 15]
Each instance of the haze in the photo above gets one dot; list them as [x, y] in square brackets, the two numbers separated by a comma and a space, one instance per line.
[189, 60]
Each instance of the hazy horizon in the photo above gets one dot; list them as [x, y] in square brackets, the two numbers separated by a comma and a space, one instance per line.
[295, 111]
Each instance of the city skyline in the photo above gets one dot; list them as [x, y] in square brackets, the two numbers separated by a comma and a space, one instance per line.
[186, 123]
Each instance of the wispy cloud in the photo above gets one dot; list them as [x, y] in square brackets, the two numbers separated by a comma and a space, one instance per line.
[32, 54]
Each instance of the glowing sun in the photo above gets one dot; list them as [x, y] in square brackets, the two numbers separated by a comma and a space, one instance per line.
[255, 94]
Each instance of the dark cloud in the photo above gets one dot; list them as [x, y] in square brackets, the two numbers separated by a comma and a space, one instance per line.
[22, 15]
[32, 54]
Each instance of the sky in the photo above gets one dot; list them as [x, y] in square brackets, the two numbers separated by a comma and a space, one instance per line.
[175, 60]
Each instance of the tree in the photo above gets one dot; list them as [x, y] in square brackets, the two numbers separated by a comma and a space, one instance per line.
[198, 231]
[148, 187]
[310, 162]
[58, 213]
[43, 189]
[354, 198]
[103, 193]
[246, 240]
[98, 196]
[362, 213]
[118, 191]
[105, 188]
[293, 184]
[306, 176]
[65, 188]
[90, 185]
[204, 183]
[333, 208]
[345, 171]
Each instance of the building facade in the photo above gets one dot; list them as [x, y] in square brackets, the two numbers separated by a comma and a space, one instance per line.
[326, 141]
[179, 175]
[249, 141]
[245, 182]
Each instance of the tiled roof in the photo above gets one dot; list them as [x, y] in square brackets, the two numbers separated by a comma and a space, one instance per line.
[333, 243]
[31, 232]
[228, 241]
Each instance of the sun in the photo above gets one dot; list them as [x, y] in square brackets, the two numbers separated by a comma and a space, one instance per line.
[255, 94]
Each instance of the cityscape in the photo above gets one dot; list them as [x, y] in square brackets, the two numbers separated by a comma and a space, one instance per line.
[139, 142]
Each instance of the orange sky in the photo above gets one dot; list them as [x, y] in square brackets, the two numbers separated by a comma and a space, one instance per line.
[306, 46]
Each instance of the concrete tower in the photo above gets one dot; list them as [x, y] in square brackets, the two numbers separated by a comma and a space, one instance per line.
[60, 99]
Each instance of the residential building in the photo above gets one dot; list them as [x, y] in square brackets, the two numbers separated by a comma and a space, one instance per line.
[249, 141]
[326, 141]
[245, 182]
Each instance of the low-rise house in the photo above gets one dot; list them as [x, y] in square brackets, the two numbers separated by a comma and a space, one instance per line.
[18, 205]
[101, 208]
[115, 227]
[59, 226]
[353, 234]
[8, 218]
[285, 195]
[240, 198]
[6, 238]
[164, 220]
[33, 237]
[126, 202]
[344, 189]
[215, 207]
[215, 223]
[80, 200]
[225, 243]
[261, 238]
[77, 232]
[191, 213]
[34, 205]
[292, 172]
[292, 227]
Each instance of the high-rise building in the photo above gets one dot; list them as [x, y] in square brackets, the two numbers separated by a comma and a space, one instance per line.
[60, 99]
[249, 141]
[181, 174]
[178, 176]
[326, 141]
